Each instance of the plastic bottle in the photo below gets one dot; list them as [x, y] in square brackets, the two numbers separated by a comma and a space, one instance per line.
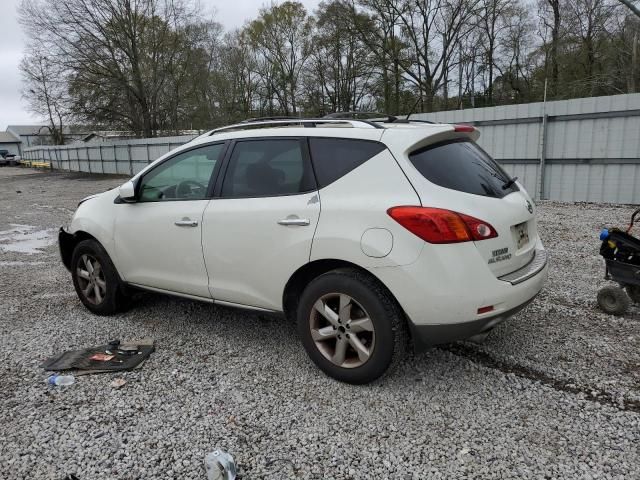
[220, 466]
[61, 380]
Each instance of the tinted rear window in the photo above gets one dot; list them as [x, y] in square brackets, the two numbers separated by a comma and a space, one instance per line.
[462, 165]
[335, 157]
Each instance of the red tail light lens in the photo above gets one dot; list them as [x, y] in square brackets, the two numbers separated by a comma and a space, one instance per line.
[436, 225]
[463, 128]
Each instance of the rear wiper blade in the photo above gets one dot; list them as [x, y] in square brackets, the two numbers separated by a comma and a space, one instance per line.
[509, 183]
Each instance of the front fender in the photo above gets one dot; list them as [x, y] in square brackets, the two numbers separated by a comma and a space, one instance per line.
[96, 218]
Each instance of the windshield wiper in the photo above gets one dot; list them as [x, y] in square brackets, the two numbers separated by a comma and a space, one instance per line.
[509, 183]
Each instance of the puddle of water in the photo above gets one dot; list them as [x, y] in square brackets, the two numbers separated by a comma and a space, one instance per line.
[26, 239]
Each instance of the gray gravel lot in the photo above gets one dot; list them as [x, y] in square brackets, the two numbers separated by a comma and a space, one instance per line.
[554, 393]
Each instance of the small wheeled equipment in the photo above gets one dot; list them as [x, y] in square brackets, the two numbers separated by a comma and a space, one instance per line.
[621, 253]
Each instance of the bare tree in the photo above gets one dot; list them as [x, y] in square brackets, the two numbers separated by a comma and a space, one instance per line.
[631, 6]
[340, 62]
[119, 53]
[281, 35]
[45, 89]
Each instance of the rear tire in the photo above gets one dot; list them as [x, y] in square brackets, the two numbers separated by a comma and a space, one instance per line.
[613, 300]
[96, 280]
[351, 327]
[634, 293]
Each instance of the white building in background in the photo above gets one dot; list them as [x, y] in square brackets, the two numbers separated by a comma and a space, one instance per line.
[36, 135]
[9, 144]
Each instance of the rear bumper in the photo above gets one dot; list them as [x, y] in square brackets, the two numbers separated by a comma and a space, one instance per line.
[443, 291]
[425, 336]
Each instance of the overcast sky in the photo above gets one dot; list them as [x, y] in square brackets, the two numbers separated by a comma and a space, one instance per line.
[13, 111]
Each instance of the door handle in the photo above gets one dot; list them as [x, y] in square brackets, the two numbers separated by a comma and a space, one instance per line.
[186, 222]
[302, 222]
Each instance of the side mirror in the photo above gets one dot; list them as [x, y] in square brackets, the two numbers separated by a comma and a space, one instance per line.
[128, 192]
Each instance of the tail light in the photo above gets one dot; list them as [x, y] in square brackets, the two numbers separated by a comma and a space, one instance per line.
[436, 225]
[464, 128]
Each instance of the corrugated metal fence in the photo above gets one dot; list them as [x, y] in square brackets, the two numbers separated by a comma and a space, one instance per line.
[586, 149]
[125, 157]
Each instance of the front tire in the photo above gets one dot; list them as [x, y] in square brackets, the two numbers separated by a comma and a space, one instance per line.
[96, 280]
[351, 327]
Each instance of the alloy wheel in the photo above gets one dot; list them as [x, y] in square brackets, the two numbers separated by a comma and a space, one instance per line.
[91, 279]
[342, 330]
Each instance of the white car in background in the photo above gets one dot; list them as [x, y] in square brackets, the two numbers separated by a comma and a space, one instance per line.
[370, 235]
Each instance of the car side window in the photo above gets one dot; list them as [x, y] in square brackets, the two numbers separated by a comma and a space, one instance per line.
[333, 158]
[267, 168]
[184, 177]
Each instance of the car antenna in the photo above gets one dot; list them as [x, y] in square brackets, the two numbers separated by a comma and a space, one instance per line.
[413, 109]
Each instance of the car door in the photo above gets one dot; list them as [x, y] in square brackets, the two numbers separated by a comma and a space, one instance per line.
[158, 238]
[258, 229]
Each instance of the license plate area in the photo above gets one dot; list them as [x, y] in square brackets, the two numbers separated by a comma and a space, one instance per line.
[520, 235]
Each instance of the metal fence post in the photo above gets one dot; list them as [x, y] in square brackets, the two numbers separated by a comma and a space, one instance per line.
[543, 157]
[130, 161]
[101, 159]
[115, 158]
[148, 155]
[88, 160]
[78, 158]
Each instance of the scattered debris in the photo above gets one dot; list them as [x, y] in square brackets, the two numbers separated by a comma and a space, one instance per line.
[112, 357]
[118, 383]
[61, 380]
[220, 465]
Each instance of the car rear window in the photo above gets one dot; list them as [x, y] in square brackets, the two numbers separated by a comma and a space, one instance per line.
[462, 165]
[333, 158]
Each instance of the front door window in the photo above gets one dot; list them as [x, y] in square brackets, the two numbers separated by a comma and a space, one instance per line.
[184, 177]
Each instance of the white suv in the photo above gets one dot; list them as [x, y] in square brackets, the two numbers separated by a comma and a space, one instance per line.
[370, 235]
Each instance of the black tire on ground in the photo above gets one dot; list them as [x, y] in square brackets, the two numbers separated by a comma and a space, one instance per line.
[634, 293]
[364, 299]
[613, 300]
[103, 293]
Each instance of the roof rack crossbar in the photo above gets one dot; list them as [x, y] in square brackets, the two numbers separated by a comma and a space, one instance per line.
[304, 122]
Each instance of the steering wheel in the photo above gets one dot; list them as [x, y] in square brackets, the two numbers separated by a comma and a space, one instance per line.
[189, 188]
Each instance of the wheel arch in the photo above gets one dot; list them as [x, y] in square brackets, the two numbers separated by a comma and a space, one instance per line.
[312, 270]
[68, 242]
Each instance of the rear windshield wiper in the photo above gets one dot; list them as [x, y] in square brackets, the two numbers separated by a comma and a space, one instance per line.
[509, 183]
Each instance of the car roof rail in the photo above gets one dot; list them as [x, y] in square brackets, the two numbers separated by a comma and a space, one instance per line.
[305, 122]
[264, 119]
[370, 116]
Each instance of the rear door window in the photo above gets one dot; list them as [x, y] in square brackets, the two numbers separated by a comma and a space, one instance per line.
[462, 165]
[268, 168]
[333, 158]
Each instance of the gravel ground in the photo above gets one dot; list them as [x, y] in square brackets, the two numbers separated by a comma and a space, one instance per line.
[554, 393]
